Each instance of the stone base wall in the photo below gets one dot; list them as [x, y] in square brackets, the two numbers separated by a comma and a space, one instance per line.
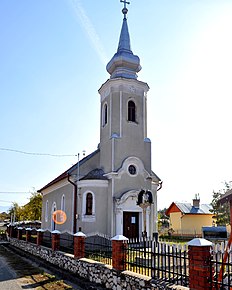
[91, 270]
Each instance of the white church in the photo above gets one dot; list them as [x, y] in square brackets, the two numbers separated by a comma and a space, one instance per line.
[100, 192]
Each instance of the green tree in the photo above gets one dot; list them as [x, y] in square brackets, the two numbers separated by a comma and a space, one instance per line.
[30, 211]
[163, 220]
[33, 209]
[4, 216]
[221, 211]
[15, 211]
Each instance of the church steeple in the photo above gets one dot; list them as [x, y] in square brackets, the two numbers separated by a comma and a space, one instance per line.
[124, 63]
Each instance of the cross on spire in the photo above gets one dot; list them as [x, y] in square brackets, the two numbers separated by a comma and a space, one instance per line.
[125, 2]
[124, 10]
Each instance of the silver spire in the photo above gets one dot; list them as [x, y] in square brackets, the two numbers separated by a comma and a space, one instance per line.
[124, 63]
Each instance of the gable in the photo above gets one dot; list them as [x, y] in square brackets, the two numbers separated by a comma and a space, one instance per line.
[172, 208]
[85, 162]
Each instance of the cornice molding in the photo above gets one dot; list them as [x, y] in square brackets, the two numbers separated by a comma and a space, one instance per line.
[55, 186]
[92, 182]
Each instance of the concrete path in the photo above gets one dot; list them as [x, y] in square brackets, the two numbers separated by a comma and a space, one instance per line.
[8, 276]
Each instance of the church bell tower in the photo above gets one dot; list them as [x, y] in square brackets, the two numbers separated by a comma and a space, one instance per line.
[123, 131]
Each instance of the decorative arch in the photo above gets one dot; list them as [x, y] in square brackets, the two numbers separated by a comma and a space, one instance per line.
[127, 202]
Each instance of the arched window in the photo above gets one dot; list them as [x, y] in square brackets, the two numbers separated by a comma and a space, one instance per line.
[88, 207]
[105, 115]
[62, 203]
[89, 204]
[131, 111]
[53, 225]
[46, 211]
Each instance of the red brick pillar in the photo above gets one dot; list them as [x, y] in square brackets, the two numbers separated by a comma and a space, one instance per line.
[55, 240]
[19, 234]
[10, 231]
[119, 246]
[39, 237]
[28, 234]
[199, 264]
[79, 245]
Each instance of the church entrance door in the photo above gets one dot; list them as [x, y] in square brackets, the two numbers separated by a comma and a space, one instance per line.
[130, 224]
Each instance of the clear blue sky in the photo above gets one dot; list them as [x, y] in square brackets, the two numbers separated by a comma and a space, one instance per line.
[52, 62]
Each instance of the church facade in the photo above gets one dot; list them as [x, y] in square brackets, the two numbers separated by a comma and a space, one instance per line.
[100, 192]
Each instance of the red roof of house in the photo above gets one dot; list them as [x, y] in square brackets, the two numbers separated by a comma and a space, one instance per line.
[172, 208]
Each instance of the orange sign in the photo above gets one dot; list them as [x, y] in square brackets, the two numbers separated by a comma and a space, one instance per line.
[59, 217]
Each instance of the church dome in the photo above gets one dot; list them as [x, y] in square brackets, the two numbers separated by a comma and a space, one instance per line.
[124, 63]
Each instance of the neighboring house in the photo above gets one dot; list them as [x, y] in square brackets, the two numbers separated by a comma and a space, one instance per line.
[100, 192]
[188, 219]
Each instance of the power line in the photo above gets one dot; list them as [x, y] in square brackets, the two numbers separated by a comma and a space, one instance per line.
[6, 201]
[15, 192]
[36, 153]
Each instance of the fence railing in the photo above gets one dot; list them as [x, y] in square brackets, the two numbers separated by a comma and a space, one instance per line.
[47, 239]
[33, 238]
[171, 263]
[98, 247]
[158, 260]
[140, 256]
[221, 266]
[161, 261]
[23, 234]
[66, 243]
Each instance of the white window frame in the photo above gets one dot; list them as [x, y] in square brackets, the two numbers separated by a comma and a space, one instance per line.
[62, 205]
[85, 217]
[129, 113]
[105, 113]
[46, 211]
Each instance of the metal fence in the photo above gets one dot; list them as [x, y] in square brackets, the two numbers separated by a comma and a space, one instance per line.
[24, 234]
[98, 247]
[33, 238]
[171, 263]
[221, 266]
[47, 239]
[139, 256]
[67, 243]
[158, 260]
[161, 261]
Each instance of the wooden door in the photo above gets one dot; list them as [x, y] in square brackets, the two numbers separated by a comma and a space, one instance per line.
[131, 224]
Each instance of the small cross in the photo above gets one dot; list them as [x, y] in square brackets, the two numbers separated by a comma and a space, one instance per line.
[125, 2]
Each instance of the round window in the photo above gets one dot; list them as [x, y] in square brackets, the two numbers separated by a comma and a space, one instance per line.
[132, 169]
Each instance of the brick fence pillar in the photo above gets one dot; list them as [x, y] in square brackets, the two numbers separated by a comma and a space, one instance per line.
[10, 230]
[20, 233]
[28, 234]
[119, 246]
[39, 240]
[55, 240]
[79, 245]
[199, 264]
